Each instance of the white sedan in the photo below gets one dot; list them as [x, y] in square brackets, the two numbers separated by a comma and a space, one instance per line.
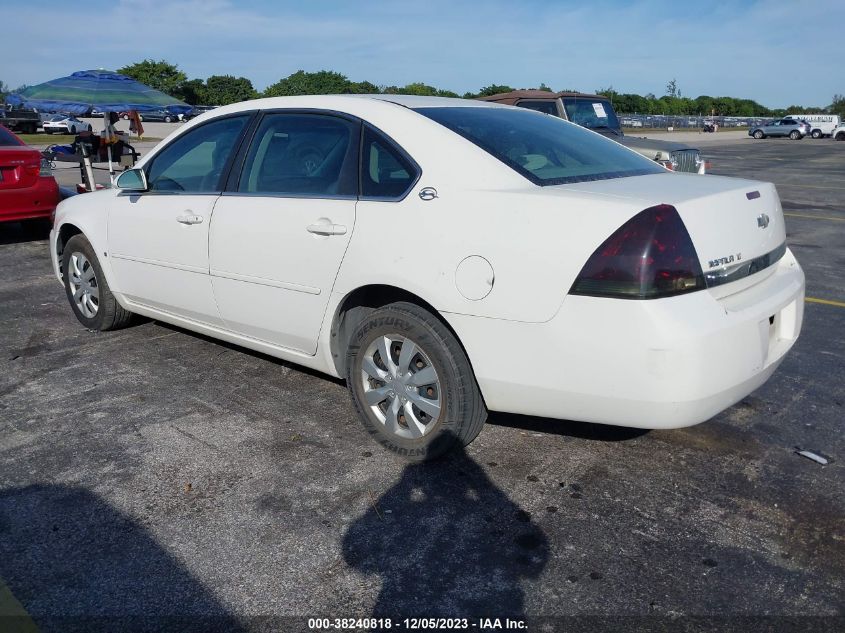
[445, 257]
[65, 124]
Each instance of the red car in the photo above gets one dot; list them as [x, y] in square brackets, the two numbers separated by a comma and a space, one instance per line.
[27, 187]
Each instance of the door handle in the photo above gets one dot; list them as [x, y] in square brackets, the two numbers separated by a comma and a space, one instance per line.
[189, 219]
[327, 229]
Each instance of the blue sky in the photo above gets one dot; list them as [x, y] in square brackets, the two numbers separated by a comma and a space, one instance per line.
[777, 52]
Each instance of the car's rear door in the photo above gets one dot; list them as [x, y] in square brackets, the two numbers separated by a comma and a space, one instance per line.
[158, 239]
[280, 231]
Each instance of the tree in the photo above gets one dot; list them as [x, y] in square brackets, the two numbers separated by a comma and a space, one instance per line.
[192, 92]
[323, 82]
[226, 89]
[672, 89]
[544, 87]
[160, 75]
[493, 89]
[4, 90]
[608, 92]
[838, 105]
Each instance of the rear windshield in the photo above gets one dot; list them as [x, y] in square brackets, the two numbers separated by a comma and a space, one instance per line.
[7, 138]
[546, 150]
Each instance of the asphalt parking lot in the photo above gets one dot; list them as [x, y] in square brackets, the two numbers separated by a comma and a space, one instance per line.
[153, 478]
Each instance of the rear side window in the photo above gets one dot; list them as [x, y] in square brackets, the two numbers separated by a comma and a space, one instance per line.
[194, 162]
[7, 138]
[302, 154]
[386, 172]
[546, 150]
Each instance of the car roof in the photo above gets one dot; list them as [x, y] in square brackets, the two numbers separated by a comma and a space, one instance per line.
[417, 101]
[536, 94]
[336, 101]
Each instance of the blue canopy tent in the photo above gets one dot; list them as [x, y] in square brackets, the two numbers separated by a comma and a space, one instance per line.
[85, 90]
[104, 90]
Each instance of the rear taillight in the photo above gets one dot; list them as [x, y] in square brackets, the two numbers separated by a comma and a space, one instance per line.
[649, 257]
[45, 169]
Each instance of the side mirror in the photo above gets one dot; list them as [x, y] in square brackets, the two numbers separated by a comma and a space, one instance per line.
[132, 180]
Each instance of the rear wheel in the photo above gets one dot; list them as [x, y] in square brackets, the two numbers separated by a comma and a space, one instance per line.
[795, 135]
[759, 134]
[816, 134]
[87, 289]
[412, 384]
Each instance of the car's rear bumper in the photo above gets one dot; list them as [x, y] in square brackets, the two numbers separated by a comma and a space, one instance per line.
[28, 203]
[663, 363]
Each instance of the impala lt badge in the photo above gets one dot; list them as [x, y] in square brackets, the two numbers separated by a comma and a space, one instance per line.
[762, 220]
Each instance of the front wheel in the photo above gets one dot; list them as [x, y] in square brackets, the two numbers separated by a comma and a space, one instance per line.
[759, 134]
[840, 136]
[87, 289]
[795, 135]
[167, 119]
[412, 384]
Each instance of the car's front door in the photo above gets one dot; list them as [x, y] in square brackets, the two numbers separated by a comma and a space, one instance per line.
[158, 239]
[281, 229]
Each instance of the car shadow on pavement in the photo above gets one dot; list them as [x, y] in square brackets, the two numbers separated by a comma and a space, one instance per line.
[77, 564]
[567, 428]
[447, 542]
[28, 231]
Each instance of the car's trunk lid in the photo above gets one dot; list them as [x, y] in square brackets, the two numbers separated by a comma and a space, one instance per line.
[19, 167]
[736, 225]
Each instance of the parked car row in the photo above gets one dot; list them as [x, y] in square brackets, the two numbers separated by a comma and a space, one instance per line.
[169, 115]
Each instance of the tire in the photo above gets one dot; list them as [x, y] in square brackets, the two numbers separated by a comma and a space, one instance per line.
[795, 135]
[840, 136]
[96, 308]
[453, 410]
[90, 129]
[759, 134]
[816, 134]
[167, 119]
[73, 130]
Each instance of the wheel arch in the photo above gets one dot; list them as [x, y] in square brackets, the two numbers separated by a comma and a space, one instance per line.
[360, 302]
[66, 231]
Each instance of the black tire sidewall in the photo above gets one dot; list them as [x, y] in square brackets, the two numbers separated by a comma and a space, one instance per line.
[397, 322]
[78, 244]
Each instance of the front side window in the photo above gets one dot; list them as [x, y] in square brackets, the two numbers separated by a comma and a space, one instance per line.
[195, 161]
[302, 154]
[385, 172]
[545, 150]
[546, 107]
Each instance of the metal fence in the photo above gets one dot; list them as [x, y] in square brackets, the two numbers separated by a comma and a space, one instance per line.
[686, 121]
